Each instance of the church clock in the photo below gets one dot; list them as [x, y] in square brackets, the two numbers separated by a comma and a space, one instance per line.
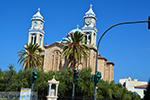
[89, 28]
[87, 21]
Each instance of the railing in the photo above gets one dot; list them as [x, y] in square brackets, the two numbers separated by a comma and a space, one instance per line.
[43, 97]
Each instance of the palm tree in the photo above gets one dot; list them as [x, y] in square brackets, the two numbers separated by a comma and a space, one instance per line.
[74, 47]
[30, 57]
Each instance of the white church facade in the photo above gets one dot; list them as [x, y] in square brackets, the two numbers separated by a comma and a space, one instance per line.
[53, 59]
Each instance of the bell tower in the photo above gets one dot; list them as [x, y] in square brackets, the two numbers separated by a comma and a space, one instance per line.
[36, 33]
[89, 28]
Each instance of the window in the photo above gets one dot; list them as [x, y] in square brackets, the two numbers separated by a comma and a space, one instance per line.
[88, 38]
[52, 60]
[55, 61]
[85, 39]
[124, 84]
[34, 23]
[33, 38]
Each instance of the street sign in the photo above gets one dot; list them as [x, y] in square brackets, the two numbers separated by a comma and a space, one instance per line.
[25, 94]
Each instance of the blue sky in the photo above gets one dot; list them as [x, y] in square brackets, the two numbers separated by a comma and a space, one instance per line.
[128, 46]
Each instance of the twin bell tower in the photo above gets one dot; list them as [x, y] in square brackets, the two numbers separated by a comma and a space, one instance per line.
[36, 32]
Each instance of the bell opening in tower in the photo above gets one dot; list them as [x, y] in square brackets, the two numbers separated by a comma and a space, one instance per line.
[88, 38]
[85, 39]
[33, 39]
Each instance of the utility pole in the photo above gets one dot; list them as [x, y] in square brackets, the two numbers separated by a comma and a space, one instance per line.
[134, 22]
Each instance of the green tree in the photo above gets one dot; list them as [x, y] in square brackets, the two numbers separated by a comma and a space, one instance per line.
[65, 79]
[74, 47]
[25, 78]
[30, 56]
[12, 81]
[85, 86]
[2, 80]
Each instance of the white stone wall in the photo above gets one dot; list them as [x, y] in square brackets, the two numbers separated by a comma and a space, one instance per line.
[130, 85]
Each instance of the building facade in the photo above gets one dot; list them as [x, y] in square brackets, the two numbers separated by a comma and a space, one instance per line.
[137, 87]
[53, 59]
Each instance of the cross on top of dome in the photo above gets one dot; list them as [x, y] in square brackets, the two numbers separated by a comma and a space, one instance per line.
[38, 9]
[91, 5]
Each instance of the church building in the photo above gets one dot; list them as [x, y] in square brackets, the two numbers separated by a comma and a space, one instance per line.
[53, 59]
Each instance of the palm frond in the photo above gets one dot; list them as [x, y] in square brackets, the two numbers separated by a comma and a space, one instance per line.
[30, 56]
[74, 48]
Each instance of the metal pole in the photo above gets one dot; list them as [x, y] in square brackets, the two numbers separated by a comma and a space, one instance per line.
[73, 90]
[134, 22]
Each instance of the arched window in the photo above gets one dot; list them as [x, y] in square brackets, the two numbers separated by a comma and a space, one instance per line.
[52, 62]
[33, 39]
[124, 84]
[88, 38]
[56, 60]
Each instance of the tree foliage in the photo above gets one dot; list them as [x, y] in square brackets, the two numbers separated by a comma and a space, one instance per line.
[74, 48]
[30, 56]
[10, 80]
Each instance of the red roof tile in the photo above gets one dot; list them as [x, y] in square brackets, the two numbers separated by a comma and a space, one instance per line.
[141, 86]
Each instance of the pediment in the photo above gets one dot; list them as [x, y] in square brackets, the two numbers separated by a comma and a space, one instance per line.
[56, 44]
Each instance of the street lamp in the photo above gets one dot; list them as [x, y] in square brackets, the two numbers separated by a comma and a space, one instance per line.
[134, 22]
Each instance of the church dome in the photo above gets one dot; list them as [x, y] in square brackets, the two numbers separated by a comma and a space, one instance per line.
[74, 30]
[38, 15]
[71, 32]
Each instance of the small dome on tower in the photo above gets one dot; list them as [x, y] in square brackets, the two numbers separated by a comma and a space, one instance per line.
[90, 12]
[38, 15]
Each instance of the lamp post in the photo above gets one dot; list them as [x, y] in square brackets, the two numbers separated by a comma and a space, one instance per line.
[134, 22]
